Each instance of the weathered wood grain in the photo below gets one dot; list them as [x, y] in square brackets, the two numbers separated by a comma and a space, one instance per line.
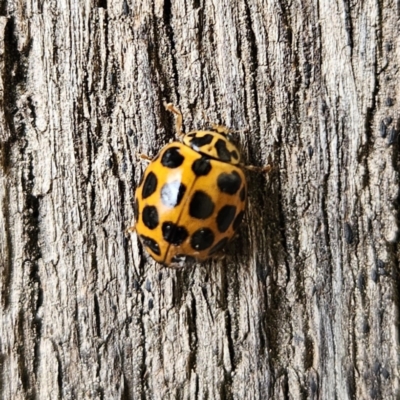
[305, 305]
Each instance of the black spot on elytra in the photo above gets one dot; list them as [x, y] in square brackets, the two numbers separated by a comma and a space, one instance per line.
[202, 239]
[173, 233]
[235, 154]
[201, 166]
[172, 193]
[151, 244]
[225, 217]
[219, 246]
[198, 142]
[172, 158]
[242, 194]
[229, 183]
[201, 206]
[150, 185]
[238, 220]
[150, 217]
[223, 153]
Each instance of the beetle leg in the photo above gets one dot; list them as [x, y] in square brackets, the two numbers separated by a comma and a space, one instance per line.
[131, 229]
[170, 107]
[144, 157]
[221, 129]
[253, 168]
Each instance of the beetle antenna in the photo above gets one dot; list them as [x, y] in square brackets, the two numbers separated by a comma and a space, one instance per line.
[170, 107]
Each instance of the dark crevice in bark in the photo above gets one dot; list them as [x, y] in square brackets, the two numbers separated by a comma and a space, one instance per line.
[163, 84]
[136, 321]
[13, 74]
[251, 101]
[183, 283]
[196, 4]
[23, 355]
[352, 348]
[127, 391]
[109, 78]
[263, 327]
[145, 379]
[169, 31]
[192, 333]
[309, 353]
[310, 49]
[204, 292]
[200, 27]
[348, 233]
[3, 369]
[32, 250]
[37, 327]
[28, 322]
[112, 86]
[128, 261]
[225, 391]
[274, 315]
[143, 260]
[231, 318]
[60, 372]
[313, 385]
[167, 13]
[4, 11]
[348, 25]
[125, 8]
[323, 239]
[122, 189]
[281, 216]
[379, 35]
[76, 328]
[393, 248]
[6, 261]
[253, 58]
[226, 384]
[369, 122]
[285, 385]
[350, 383]
[13, 79]
[96, 309]
[229, 336]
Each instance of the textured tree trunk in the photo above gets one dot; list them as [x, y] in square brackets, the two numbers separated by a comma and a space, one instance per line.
[305, 305]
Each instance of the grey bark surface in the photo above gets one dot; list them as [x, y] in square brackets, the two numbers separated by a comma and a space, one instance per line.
[305, 305]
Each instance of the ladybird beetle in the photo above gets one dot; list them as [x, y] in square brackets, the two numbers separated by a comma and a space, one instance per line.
[192, 197]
